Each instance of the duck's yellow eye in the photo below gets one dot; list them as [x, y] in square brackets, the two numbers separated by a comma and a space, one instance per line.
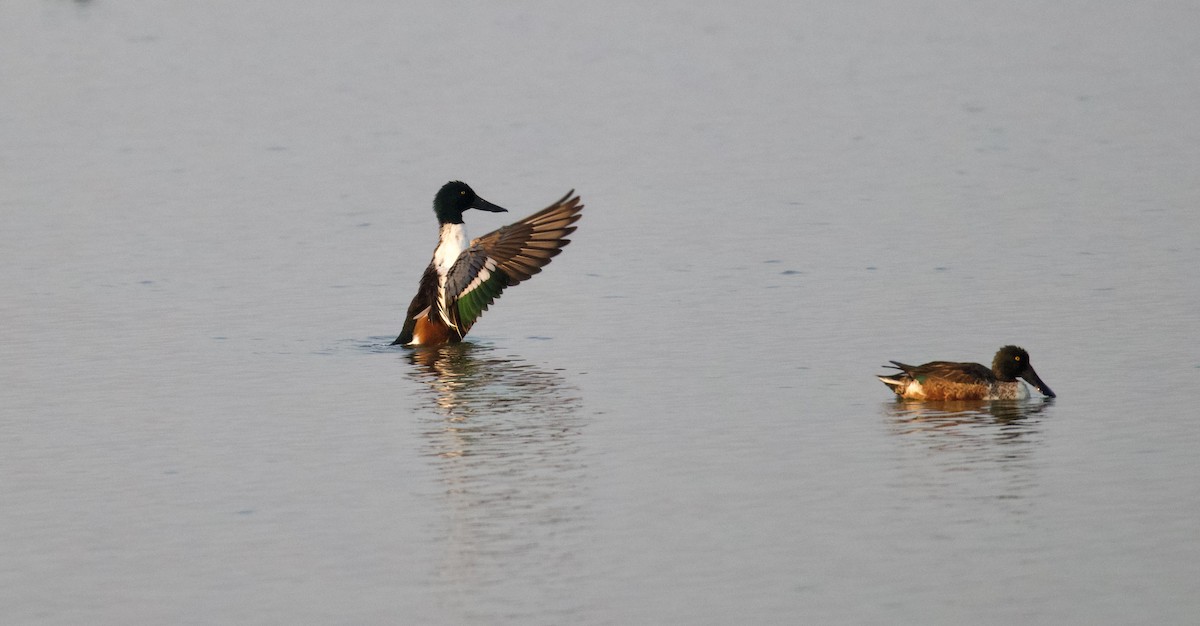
[1017, 358]
[462, 193]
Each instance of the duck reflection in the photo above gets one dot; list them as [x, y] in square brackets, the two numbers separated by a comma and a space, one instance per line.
[999, 420]
[504, 436]
[967, 449]
[466, 379]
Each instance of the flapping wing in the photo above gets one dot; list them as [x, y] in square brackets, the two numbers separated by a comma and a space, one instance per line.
[507, 256]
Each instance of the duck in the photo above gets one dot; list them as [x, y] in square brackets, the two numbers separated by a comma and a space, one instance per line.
[465, 276]
[948, 380]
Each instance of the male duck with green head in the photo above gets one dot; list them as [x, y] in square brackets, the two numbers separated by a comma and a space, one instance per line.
[466, 276]
[951, 380]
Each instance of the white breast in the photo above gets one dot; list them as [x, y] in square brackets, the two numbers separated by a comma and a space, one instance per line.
[452, 241]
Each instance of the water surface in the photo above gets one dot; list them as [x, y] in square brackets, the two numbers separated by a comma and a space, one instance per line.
[215, 214]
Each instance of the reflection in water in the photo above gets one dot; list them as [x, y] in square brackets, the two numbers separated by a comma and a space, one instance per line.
[972, 422]
[504, 436]
[990, 444]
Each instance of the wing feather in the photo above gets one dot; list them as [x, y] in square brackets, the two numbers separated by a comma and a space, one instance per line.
[506, 257]
[948, 371]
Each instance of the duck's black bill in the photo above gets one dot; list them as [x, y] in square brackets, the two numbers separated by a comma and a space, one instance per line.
[1032, 378]
[484, 205]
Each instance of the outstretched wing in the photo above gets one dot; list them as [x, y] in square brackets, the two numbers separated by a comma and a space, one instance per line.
[505, 257]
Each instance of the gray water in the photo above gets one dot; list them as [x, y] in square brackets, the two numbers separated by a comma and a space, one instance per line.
[215, 213]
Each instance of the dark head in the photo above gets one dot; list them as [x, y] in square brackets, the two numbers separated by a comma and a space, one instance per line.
[456, 197]
[1012, 363]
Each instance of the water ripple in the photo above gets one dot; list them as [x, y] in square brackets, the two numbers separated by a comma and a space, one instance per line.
[504, 437]
[967, 450]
